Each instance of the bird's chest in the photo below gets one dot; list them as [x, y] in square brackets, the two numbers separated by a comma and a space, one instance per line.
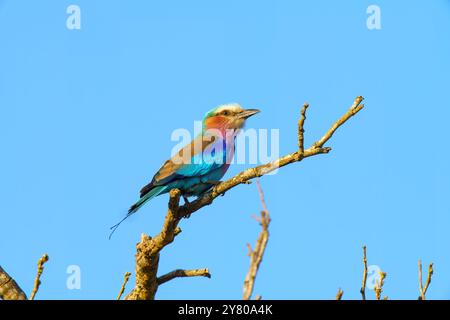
[220, 152]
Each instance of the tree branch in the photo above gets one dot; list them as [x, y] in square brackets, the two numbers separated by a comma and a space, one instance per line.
[364, 280]
[423, 290]
[339, 294]
[256, 172]
[125, 281]
[9, 289]
[37, 280]
[354, 109]
[379, 286]
[256, 255]
[180, 273]
[147, 255]
[301, 130]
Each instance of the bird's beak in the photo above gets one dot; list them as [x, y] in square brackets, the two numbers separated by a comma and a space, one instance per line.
[248, 113]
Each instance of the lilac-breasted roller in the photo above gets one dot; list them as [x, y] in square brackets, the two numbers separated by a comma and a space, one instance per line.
[198, 166]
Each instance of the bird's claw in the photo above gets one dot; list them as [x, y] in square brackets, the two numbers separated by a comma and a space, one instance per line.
[187, 216]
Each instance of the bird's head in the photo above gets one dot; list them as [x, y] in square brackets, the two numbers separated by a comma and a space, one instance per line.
[227, 117]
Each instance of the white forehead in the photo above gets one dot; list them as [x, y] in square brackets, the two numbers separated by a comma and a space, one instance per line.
[233, 107]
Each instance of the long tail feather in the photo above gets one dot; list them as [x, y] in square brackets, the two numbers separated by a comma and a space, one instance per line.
[135, 207]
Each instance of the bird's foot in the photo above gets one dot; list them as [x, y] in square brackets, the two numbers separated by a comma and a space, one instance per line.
[215, 183]
[186, 200]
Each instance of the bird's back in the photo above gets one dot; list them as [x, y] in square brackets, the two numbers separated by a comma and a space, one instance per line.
[204, 159]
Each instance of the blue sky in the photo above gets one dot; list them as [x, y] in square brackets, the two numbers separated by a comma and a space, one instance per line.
[86, 117]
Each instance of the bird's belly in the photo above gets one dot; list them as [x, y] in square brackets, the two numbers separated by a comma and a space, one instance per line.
[196, 186]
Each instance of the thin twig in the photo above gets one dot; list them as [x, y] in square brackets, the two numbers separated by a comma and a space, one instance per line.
[419, 265]
[180, 273]
[423, 290]
[261, 198]
[364, 280]
[37, 280]
[122, 288]
[354, 109]
[379, 285]
[256, 255]
[430, 274]
[301, 130]
[339, 294]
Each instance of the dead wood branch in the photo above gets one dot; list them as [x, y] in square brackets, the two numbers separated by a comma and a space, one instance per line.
[37, 280]
[364, 280]
[126, 277]
[339, 294]
[379, 286]
[180, 273]
[257, 254]
[422, 289]
[9, 289]
[301, 130]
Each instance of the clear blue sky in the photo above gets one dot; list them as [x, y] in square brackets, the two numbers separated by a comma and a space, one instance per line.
[86, 118]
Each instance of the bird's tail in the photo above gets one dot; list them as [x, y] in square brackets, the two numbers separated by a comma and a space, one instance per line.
[156, 191]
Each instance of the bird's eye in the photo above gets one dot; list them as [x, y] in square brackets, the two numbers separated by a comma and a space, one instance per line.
[225, 113]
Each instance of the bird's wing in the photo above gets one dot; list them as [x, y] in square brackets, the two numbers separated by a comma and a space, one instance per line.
[199, 157]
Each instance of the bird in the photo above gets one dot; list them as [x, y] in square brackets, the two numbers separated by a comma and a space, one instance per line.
[199, 165]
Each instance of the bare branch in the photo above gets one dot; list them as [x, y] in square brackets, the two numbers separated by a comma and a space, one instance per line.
[249, 250]
[301, 130]
[122, 288]
[37, 280]
[379, 285]
[256, 172]
[422, 296]
[430, 274]
[339, 294]
[147, 255]
[364, 280]
[262, 200]
[180, 273]
[9, 289]
[170, 226]
[423, 290]
[354, 109]
[256, 255]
